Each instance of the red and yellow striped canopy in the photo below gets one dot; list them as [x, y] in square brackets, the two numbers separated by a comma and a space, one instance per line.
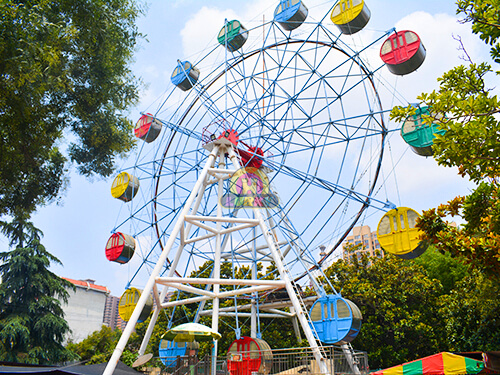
[439, 364]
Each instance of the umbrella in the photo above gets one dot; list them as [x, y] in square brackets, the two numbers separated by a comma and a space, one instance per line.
[441, 363]
[191, 332]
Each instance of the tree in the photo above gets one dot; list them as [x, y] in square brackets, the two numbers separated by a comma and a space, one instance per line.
[99, 345]
[485, 22]
[472, 314]
[400, 308]
[32, 325]
[64, 75]
[468, 111]
[450, 271]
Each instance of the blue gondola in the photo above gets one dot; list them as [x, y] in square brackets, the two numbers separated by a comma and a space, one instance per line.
[336, 320]
[290, 14]
[169, 351]
[185, 75]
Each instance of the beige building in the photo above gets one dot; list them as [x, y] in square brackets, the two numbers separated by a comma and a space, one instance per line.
[85, 308]
[368, 240]
[111, 315]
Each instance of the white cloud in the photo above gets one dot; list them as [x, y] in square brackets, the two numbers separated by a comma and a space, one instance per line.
[77, 232]
[201, 30]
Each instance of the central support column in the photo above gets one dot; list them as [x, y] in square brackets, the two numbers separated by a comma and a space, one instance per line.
[217, 260]
[284, 275]
[253, 309]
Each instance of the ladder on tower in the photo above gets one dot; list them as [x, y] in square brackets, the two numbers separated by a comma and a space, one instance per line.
[298, 292]
[351, 358]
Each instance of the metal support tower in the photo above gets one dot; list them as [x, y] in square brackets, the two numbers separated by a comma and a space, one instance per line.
[214, 171]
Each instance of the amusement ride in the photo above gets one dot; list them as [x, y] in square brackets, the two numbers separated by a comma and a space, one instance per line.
[259, 150]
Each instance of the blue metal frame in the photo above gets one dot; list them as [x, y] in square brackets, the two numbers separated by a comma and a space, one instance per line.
[294, 99]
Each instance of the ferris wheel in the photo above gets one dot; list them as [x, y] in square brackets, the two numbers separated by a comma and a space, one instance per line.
[261, 150]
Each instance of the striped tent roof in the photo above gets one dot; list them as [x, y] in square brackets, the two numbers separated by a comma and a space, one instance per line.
[438, 364]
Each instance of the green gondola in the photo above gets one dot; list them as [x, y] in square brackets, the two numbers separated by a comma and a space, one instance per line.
[419, 135]
[233, 35]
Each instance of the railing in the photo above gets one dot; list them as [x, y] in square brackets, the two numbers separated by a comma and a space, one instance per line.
[298, 361]
[302, 362]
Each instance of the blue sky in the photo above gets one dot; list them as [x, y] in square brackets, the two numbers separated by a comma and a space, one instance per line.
[76, 230]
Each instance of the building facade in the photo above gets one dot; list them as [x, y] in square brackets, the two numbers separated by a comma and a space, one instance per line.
[111, 315]
[84, 311]
[368, 240]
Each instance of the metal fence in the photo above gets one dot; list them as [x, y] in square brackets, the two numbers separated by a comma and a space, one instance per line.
[299, 361]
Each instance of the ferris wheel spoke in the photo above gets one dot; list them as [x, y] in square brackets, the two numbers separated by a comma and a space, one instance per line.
[328, 185]
[303, 112]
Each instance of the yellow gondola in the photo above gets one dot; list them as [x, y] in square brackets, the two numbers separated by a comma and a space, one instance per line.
[125, 187]
[350, 16]
[128, 302]
[397, 234]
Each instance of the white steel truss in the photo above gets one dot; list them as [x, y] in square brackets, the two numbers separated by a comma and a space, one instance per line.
[216, 171]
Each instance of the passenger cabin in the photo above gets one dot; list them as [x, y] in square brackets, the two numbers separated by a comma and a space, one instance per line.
[290, 14]
[397, 234]
[185, 75]
[247, 356]
[233, 35]
[125, 187]
[336, 320]
[350, 16]
[120, 248]
[147, 128]
[128, 302]
[251, 158]
[402, 52]
[418, 134]
[171, 351]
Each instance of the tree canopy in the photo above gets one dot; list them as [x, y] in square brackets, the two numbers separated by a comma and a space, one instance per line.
[32, 325]
[400, 307]
[64, 80]
[99, 345]
[468, 110]
[472, 314]
[450, 271]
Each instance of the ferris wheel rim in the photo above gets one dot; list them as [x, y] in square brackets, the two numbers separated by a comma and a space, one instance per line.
[241, 58]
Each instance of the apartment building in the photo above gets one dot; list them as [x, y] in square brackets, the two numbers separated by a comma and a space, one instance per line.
[362, 235]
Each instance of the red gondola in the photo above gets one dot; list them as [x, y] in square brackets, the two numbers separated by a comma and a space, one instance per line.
[403, 52]
[248, 356]
[120, 248]
[252, 157]
[147, 128]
